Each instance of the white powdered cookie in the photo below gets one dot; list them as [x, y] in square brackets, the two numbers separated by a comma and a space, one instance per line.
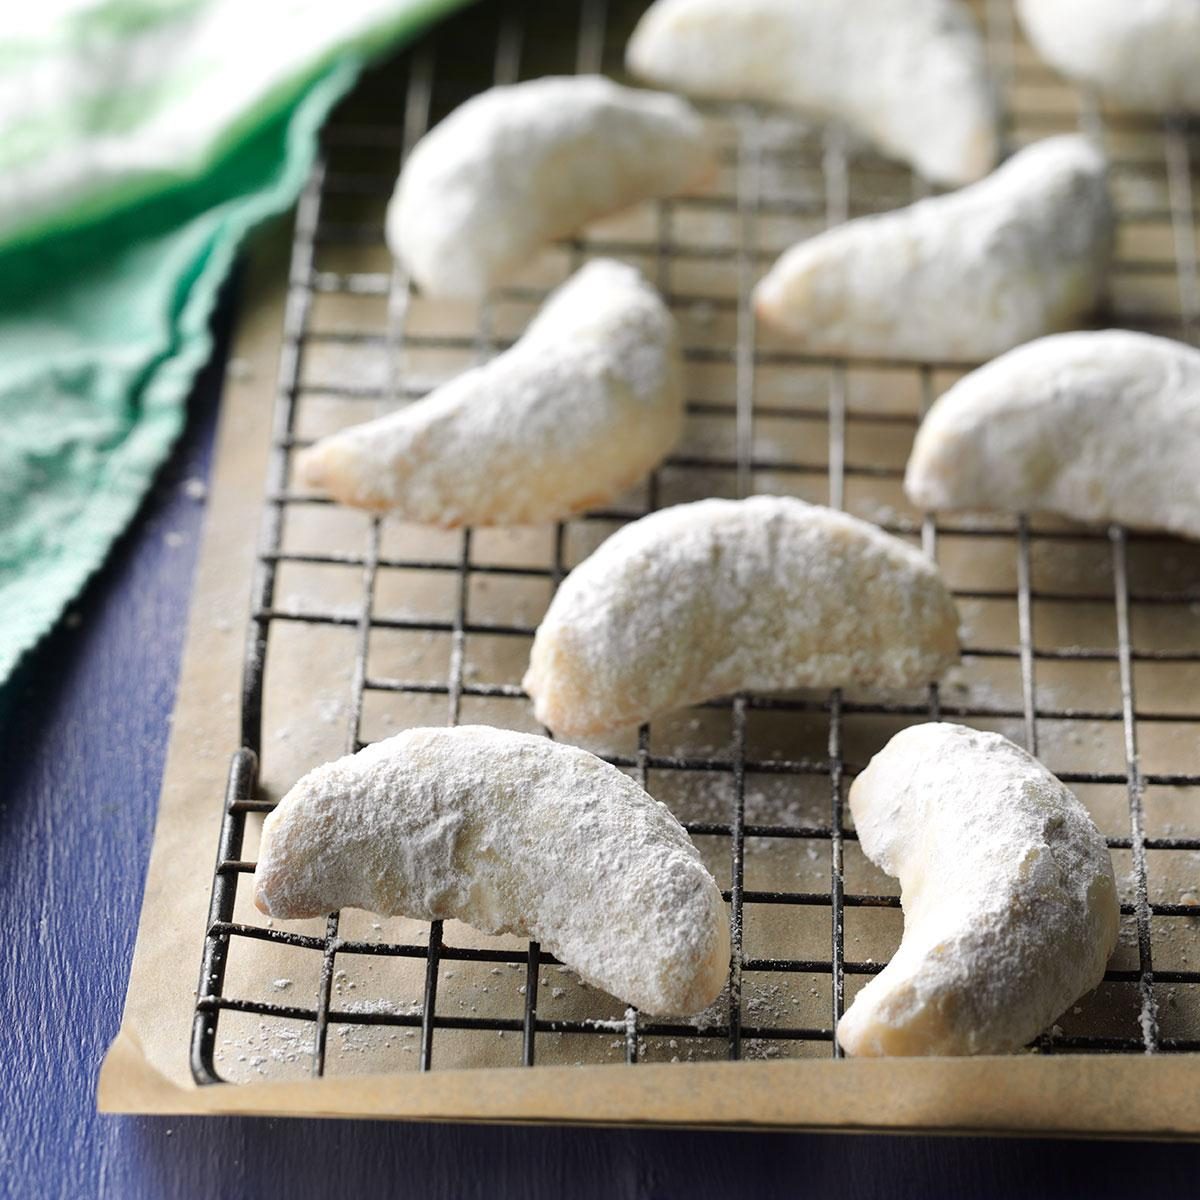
[1096, 426]
[583, 406]
[721, 596]
[961, 277]
[1140, 54]
[1010, 905]
[910, 75]
[510, 833]
[518, 166]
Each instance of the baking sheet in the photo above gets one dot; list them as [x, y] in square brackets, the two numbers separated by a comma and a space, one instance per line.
[308, 703]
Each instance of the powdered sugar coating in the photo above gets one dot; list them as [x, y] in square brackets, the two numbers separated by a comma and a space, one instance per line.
[517, 166]
[1096, 426]
[1140, 54]
[961, 277]
[911, 75]
[1010, 905]
[511, 833]
[580, 408]
[764, 594]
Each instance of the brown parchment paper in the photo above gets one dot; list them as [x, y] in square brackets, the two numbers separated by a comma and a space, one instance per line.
[145, 1059]
[147, 1067]
[371, 1069]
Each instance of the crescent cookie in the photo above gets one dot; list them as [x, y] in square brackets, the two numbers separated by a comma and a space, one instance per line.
[1101, 427]
[587, 402]
[720, 596]
[511, 833]
[961, 277]
[1010, 905]
[910, 75]
[1140, 54]
[517, 166]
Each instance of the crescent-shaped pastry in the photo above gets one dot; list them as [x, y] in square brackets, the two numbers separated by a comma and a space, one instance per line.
[910, 75]
[1101, 427]
[720, 596]
[581, 407]
[518, 166]
[1140, 54]
[510, 833]
[961, 277]
[1010, 905]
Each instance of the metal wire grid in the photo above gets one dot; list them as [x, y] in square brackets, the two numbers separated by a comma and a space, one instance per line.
[749, 207]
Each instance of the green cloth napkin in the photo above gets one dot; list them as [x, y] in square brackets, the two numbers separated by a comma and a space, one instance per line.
[139, 141]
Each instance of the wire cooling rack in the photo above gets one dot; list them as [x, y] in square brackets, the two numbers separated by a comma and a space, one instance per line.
[1084, 644]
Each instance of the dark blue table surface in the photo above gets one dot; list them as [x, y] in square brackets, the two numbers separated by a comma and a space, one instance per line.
[83, 732]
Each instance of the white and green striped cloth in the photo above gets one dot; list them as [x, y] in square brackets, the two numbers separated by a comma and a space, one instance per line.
[139, 141]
